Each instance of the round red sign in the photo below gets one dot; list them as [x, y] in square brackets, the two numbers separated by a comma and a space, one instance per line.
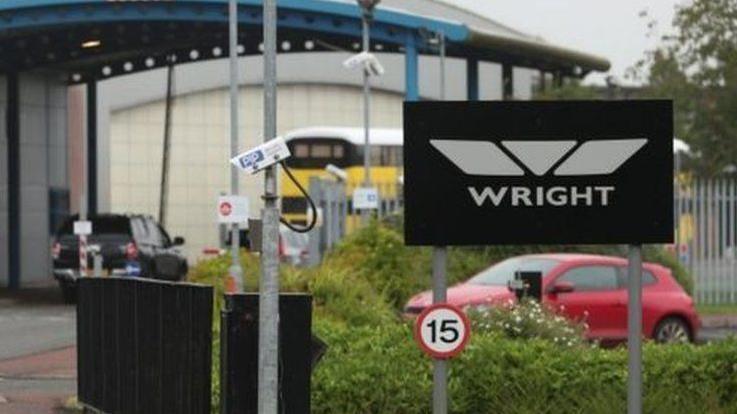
[225, 208]
[442, 330]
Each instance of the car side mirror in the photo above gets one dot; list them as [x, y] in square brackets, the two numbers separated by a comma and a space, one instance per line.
[562, 287]
[178, 241]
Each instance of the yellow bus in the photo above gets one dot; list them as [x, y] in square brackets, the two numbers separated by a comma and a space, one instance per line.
[314, 149]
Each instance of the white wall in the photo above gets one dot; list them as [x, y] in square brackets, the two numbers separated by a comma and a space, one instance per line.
[43, 163]
[314, 89]
[315, 68]
[200, 148]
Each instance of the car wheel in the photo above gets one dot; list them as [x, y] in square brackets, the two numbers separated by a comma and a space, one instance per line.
[672, 330]
[68, 293]
[147, 270]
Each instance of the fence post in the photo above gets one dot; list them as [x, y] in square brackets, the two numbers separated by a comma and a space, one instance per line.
[733, 255]
[702, 240]
[313, 259]
[722, 241]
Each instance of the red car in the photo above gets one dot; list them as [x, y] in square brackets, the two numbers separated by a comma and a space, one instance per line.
[585, 287]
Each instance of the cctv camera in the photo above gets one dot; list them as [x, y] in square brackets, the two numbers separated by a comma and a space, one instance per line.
[336, 172]
[374, 67]
[368, 61]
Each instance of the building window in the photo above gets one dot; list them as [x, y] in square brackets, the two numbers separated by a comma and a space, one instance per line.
[58, 208]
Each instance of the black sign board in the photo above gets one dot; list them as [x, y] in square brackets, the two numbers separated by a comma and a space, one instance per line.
[528, 285]
[574, 172]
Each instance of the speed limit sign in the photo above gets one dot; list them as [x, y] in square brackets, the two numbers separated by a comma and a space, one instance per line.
[442, 330]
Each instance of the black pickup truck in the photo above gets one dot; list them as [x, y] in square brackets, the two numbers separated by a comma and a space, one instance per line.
[130, 245]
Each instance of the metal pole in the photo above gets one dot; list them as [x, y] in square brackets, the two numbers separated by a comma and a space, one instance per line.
[440, 366]
[97, 264]
[634, 331]
[366, 113]
[84, 184]
[166, 158]
[731, 240]
[268, 357]
[439, 283]
[441, 36]
[91, 154]
[236, 272]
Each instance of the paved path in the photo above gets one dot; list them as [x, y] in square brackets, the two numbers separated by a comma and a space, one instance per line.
[28, 330]
[39, 383]
[37, 352]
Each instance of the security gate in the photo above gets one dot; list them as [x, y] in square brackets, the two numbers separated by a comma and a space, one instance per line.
[706, 232]
[337, 218]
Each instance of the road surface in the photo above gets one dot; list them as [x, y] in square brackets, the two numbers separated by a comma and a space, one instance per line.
[37, 352]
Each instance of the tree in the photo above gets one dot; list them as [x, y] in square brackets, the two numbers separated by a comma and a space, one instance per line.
[570, 90]
[697, 68]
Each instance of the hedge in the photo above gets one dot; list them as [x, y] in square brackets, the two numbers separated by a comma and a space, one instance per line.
[380, 370]
[373, 365]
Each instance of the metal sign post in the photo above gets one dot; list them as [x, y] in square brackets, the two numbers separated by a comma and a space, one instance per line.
[84, 229]
[440, 366]
[440, 284]
[367, 14]
[84, 184]
[634, 331]
[268, 355]
[236, 272]
[441, 39]
[366, 112]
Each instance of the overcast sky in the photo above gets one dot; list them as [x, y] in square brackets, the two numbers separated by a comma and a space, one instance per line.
[609, 28]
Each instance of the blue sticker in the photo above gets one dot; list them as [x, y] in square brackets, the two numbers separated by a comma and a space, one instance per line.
[251, 159]
[133, 269]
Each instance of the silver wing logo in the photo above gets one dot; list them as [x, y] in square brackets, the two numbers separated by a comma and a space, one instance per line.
[484, 158]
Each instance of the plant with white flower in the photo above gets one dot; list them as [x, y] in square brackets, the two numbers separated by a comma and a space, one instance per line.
[528, 320]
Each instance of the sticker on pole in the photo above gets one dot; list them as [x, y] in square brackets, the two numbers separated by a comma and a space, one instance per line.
[442, 331]
[82, 228]
[365, 198]
[232, 209]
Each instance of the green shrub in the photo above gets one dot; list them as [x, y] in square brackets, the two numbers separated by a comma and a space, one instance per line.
[513, 363]
[657, 254]
[370, 370]
[380, 370]
[340, 296]
[377, 254]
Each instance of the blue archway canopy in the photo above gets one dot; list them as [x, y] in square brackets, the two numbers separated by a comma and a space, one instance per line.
[94, 39]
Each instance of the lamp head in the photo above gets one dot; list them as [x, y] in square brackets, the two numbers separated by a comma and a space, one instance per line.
[368, 5]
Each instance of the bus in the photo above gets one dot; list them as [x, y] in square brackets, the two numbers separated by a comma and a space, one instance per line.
[314, 149]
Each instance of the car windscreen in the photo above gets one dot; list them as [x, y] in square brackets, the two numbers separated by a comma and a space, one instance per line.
[502, 272]
[102, 225]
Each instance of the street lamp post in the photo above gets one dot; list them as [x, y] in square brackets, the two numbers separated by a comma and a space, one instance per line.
[367, 7]
[439, 255]
[236, 272]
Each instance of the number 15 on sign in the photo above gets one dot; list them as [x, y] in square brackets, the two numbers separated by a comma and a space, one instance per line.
[442, 331]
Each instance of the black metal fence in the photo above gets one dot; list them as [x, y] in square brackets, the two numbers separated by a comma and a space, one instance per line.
[144, 346]
[239, 353]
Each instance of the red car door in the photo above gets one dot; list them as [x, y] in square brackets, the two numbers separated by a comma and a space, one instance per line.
[597, 299]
